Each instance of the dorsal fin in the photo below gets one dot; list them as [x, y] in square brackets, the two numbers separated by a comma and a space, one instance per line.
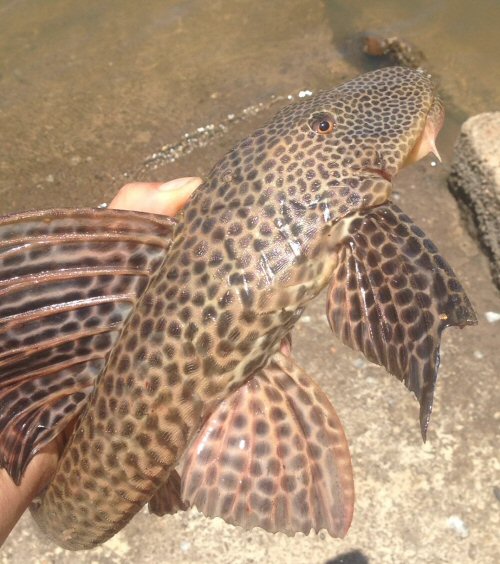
[68, 280]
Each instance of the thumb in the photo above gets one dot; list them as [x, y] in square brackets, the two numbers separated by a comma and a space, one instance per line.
[156, 197]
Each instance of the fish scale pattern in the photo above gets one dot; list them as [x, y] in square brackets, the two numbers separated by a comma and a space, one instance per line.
[259, 239]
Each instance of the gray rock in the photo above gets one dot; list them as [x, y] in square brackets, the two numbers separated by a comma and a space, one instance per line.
[475, 181]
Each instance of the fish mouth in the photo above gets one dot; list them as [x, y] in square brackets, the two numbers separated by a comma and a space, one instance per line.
[426, 141]
[424, 144]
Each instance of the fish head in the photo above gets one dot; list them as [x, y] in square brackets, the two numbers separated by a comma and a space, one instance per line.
[340, 149]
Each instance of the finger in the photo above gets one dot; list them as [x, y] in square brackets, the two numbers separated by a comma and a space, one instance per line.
[14, 500]
[156, 197]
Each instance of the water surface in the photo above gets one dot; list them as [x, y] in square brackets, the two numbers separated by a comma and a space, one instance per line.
[89, 89]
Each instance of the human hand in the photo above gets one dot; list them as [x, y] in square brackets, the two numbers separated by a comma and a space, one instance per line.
[154, 197]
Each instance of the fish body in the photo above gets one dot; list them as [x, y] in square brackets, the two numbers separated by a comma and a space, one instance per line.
[192, 371]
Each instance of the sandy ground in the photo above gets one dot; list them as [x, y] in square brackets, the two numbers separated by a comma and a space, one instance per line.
[71, 132]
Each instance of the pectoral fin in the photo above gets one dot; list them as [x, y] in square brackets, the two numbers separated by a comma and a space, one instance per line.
[391, 296]
[68, 279]
[273, 455]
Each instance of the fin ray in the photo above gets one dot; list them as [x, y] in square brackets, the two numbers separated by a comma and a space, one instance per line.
[68, 280]
[273, 455]
[391, 296]
[167, 498]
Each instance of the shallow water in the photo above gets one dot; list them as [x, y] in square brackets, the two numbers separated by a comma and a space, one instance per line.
[460, 40]
[89, 90]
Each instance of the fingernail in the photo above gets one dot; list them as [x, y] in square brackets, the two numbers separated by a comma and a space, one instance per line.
[189, 182]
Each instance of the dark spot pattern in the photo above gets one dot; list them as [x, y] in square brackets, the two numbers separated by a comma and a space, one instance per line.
[257, 241]
[86, 284]
[294, 481]
[400, 297]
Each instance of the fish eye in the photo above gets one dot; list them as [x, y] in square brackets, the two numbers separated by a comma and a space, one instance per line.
[322, 123]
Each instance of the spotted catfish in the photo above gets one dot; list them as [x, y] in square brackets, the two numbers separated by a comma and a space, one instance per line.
[162, 338]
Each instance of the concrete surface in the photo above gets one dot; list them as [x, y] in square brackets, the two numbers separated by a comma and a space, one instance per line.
[475, 181]
[87, 94]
